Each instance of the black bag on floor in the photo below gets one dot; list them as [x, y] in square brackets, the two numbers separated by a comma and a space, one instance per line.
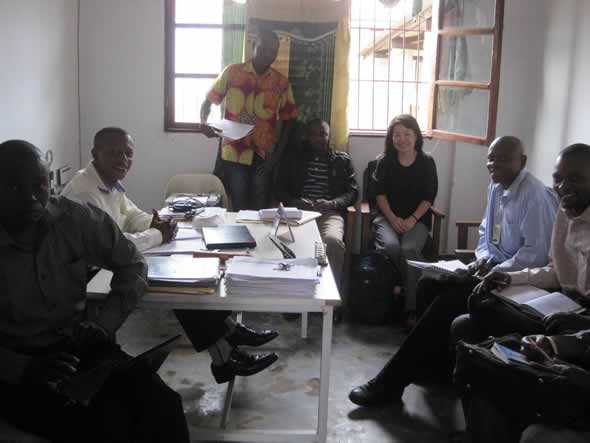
[370, 298]
[528, 393]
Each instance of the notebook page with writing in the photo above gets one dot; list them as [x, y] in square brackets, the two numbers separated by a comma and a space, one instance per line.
[554, 302]
[520, 294]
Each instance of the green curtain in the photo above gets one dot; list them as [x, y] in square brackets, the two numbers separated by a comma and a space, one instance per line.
[233, 39]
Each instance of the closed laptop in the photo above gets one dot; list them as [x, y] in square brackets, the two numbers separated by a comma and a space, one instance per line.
[228, 237]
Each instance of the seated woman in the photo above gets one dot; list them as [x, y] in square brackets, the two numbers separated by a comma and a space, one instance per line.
[406, 184]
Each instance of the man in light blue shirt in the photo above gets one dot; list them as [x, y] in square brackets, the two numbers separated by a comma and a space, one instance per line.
[514, 234]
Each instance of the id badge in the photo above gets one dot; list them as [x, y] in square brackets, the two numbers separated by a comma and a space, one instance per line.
[496, 230]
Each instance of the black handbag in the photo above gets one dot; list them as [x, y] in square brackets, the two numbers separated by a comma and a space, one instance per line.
[531, 393]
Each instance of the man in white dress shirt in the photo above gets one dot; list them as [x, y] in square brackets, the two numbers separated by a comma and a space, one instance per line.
[99, 184]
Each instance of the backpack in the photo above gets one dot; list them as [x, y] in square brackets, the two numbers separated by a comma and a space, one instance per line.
[523, 391]
[370, 298]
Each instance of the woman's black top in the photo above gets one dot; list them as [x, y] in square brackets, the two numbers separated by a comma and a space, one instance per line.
[407, 186]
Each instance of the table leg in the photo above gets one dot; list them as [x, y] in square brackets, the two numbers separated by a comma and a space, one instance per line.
[227, 403]
[304, 323]
[328, 313]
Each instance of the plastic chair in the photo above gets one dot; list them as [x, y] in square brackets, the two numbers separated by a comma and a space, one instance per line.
[197, 184]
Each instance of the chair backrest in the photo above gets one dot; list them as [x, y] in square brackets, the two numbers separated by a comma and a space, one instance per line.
[369, 184]
[197, 184]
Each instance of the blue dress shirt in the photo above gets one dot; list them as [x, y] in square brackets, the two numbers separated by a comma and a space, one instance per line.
[515, 232]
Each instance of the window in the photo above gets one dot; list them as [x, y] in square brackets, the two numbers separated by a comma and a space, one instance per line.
[202, 37]
[438, 60]
[391, 57]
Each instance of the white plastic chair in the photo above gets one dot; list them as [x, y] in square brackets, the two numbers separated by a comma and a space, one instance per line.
[197, 184]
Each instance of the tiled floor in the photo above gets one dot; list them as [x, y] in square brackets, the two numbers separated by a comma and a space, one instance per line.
[286, 395]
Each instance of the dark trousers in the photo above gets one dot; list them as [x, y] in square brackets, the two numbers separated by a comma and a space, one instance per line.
[133, 407]
[248, 186]
[493, 317]
[425, 351]
[489, 423]
[203, 328]
[488, 316]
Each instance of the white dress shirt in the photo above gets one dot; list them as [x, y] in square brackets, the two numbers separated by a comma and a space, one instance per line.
[87, 187]
[570, 253]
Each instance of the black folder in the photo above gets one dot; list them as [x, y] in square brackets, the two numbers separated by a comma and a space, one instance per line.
[85, 385]
[228, 237]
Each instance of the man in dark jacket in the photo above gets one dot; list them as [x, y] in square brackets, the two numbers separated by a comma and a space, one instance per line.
[319, 179]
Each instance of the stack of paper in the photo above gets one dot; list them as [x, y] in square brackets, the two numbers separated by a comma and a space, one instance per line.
[296, 217]
[249, 276]
[288, 213]
[182, 270]
[442, 266]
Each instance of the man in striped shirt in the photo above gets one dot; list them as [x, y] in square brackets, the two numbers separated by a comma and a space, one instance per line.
[320, 179]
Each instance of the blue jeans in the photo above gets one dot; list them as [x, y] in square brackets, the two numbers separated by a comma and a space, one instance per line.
[400, 247]
[248, 186]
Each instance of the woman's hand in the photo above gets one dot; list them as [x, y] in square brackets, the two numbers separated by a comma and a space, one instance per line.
[409, 223]
[397, 223]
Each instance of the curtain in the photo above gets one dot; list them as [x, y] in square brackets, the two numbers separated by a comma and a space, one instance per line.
[315, 40]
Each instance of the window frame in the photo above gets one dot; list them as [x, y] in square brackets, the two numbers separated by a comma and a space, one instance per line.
[361, 132]
[170, 26]
[493, 86]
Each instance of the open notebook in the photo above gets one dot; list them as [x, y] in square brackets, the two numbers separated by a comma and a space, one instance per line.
[537, 302]
[441, 266]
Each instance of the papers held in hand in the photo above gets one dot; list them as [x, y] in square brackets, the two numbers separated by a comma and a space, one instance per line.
[537, 302]
[232, 130]
[249, 276]
[86, 384]
[182, 270]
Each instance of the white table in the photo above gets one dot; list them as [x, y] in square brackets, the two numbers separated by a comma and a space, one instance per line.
[325, 299]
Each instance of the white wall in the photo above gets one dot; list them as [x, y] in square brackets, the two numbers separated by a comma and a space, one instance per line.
[521, 74]
[122, 84]
[122, 78]
[38, 78]
[563, 96]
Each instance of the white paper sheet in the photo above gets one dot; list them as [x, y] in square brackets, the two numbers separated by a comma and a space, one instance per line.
[232, 130]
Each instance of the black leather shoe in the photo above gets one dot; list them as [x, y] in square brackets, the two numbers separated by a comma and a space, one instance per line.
[241, 363]
[245, 336]
[375, 393]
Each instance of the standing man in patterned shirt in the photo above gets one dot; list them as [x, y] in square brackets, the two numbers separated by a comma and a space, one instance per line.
[256, 94]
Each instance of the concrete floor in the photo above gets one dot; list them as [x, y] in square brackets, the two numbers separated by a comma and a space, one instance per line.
[286, 395]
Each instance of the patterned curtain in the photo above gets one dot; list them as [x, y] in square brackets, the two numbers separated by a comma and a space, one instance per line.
[313, 54]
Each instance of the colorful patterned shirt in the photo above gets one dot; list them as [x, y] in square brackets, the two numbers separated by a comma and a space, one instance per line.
[259, 100]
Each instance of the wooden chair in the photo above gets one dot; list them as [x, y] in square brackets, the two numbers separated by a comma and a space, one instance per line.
[462, 253]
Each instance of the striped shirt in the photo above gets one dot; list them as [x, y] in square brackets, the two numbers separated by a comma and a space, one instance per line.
[315, 185]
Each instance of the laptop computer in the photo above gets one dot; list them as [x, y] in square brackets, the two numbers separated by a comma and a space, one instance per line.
[228, 237]
[83, 386]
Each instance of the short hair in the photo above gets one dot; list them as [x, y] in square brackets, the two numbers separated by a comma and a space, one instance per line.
[265, 35]
[579, 150]
[409, 122]
[12, 151]
[510, 141]
[105, 135]
[316, 121]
